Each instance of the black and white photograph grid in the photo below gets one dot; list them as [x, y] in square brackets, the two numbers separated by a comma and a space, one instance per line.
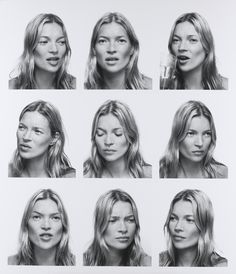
[84, 210]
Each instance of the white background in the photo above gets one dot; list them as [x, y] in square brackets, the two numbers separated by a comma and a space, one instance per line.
[153, 111]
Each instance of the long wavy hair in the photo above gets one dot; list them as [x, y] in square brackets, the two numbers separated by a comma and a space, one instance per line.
[26, 247]
[94, 74]
[56, 162]
[211, 79]
[170, 163]
[98, 250]
[204, 220]
[95, 164]
[26, 67]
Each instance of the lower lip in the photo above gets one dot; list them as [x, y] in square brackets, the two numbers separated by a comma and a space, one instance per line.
[123, 240]
[53, 63]
[24, 149]
[178, 239]
[46, 238]
[110, 152]
[198, 153]
[183, 62]
[111, 62]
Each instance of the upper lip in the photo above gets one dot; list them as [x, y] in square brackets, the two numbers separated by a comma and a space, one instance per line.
[45, 234]
[183, 57]
[25, 145]
[122, 237]
[109, 149]
[53, 58]
[199, 151]
[112, 58]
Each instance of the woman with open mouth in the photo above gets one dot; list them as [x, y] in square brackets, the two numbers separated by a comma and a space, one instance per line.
[40, 144]
[116, 233]
[115, 145]
[189, 153]
[191, 41]
[113, 56]
[189, 232]
[46, 55]
[44, 232]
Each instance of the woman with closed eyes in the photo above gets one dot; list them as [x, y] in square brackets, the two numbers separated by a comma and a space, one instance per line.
[191, 41]
[189, 232]
[44, 61]
[115, 145]
[44, 232]
[40, 144]
[116, 239]
[113, 56]
[189, 153]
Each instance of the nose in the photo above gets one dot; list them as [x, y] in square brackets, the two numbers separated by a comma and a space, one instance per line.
[45, 225]
[122, 227]
[111, 48]
[27, 135]
[179, 226]
[182, 45]
[53, 47]
[199, 141]
[108, 140]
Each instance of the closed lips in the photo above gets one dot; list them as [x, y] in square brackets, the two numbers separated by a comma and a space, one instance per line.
[24, 145]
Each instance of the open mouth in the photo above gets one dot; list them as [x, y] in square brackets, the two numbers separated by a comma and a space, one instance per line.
[111, 59]
[53, 61]
[45, 236]
[182, 59]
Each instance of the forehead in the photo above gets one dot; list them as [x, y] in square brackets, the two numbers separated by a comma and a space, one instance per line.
[199, 123]
[35, 118]
[182, 208]
[112, 29]
[51, 30]
[185, 29]
[109, 121]
[121, 208]
[45, 206]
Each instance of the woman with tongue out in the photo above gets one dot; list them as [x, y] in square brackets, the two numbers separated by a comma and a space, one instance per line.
[44, 233]
[44, 62]
[113, 56]
[191, 41]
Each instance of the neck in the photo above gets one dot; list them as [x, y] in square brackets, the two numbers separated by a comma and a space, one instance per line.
[116, 169]
[45, 257]
[113, 257]
[193, 79]
[186, 257]
[114, 80]
[35, 168]
[44, 79]
[189, 169]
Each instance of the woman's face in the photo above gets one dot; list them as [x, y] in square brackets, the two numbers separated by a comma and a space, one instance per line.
[187, 46]
[33, 135]
[197, 141]
[121, 226]
[110, 139]
[182, 227]
[51, 48]
[45, 224]
[113, 48]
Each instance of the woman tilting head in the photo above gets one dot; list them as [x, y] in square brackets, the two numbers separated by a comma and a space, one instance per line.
[115, 144]
[192, 42]
[46, 55]
[113, 56]
[192, 142]
[189, 232]
[40, 144]
[44, 232]
[116, 233]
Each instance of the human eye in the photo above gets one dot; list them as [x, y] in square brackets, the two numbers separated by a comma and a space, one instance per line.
[131, 220]
[56, 218]
[36, 217]
[172, 218]
[190, 220]
[122, 41]
[118, 133]
[208, 134]
[112, 220]
[175, 40]
[42, 42]
[21, 127]
[190, 133]
[61, 42]
[193, 40]
[38, 131]
[99, 133]
[101, 41]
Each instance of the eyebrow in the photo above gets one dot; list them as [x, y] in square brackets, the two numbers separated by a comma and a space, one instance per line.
[117, 128]
[48, 37]
[55, 213]
[189, 35]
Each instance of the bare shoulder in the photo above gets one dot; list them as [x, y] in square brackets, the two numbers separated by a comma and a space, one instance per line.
[13, 260]
[147, 171]
[69, 173]
[222, 171]
[225, 82]
[13, 83]
[145, 260]
[147, 82]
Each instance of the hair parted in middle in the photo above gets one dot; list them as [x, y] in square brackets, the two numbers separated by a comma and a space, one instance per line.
[95, 164]
[97, 251]
[94, 74]
[25, 253]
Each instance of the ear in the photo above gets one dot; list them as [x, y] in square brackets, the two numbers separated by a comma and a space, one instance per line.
[54, 138]
[132, 51]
